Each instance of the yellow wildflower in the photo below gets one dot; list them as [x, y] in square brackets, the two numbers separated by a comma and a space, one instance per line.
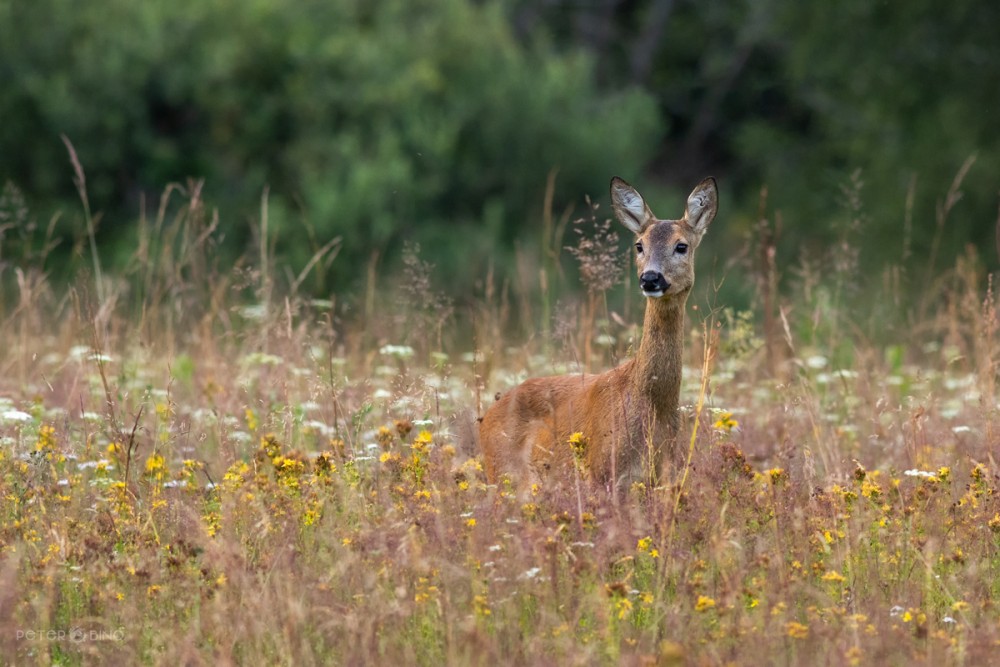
[422, 441]
[313, 513]
[797, 630]
[155, 466]
[472, 466]
[704, 603]
[46, 439]
[725, 422]
[271, 446]
[871, 489]
[212, 523]
[235, 476]
[251, 419]
[624, 607]
[482, 606]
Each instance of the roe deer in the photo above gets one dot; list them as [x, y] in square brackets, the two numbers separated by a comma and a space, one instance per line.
[627, 416]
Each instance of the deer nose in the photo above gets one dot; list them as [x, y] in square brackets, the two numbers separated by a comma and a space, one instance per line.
[652, 282]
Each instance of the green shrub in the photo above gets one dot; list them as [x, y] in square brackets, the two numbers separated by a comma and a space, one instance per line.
[376, 122]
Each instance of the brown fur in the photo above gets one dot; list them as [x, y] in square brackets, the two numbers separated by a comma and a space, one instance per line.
[628, 415]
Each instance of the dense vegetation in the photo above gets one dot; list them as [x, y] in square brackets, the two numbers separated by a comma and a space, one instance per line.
[188, 479]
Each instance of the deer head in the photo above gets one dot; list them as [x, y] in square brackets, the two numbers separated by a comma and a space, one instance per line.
[665, 248]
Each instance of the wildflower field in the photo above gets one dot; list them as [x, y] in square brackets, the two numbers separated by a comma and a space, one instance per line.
[196, 470]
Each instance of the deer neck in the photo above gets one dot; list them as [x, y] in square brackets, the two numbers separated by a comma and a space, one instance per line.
[659, 363]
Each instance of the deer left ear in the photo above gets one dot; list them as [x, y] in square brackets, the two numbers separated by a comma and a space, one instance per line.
[702, 205]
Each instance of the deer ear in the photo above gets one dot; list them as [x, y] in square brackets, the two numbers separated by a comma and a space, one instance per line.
[629, 207]
[702, 205]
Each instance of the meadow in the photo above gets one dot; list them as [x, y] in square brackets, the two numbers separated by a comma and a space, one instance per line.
[199, 465]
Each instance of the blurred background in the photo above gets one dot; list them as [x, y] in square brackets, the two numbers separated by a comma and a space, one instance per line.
[858, 138]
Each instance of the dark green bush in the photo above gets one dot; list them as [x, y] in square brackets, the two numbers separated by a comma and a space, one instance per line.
[373, 121]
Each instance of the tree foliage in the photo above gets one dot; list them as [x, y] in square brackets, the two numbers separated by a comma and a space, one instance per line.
[798, 97]
[371, 121]
[439, 121]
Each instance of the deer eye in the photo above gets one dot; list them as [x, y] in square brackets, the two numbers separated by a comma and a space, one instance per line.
[638, 247]
[681, 248]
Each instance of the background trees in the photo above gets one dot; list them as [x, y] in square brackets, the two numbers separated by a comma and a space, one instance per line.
[439, 122]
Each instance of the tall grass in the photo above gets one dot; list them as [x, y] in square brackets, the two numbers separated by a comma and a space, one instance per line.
[199, 465]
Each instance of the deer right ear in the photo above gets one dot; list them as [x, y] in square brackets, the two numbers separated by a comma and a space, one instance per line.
[628, 205]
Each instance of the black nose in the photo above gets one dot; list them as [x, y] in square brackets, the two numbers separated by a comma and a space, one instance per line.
[653, 281]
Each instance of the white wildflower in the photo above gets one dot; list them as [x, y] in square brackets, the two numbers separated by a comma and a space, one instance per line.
[15, 416]
[398, 351]
[817, 361]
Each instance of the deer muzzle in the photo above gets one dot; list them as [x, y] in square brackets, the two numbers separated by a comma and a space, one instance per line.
[653, 284]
